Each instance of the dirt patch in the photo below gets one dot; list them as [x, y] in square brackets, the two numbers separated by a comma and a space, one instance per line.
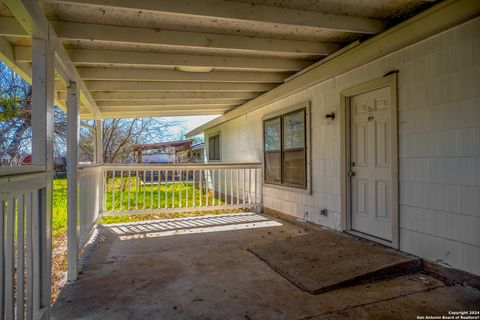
[59, 264]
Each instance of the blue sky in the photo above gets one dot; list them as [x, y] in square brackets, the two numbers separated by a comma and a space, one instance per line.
[192, 122]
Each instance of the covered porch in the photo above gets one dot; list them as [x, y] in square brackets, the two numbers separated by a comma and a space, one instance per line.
[249, 63]
[200, 268]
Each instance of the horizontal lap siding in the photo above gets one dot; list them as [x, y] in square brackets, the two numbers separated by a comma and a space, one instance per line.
[439, 146]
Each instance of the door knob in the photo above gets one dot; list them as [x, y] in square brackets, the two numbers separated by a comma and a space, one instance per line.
[351, 174]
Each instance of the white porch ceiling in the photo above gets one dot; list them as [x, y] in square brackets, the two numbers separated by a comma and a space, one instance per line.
[130, 54]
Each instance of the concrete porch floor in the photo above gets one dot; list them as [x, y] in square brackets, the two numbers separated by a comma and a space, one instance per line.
[199, 268]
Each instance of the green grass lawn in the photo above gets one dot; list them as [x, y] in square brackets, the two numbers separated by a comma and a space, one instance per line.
[142, 200]
[147, 196]
[59, 219]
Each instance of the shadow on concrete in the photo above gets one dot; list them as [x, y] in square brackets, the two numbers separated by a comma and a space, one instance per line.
[179, 226]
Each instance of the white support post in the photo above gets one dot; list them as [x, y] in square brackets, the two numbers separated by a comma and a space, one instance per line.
[43, 74]
[98, 159]
[98, 141]
[73, 134]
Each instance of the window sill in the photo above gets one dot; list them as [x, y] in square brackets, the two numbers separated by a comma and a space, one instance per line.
[306, 191]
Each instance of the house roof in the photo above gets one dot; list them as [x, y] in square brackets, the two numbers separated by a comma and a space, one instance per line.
[183, 57]
[175, 144]
[197, 146]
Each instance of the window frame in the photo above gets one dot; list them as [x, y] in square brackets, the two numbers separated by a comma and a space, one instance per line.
[213, 135]
[307, 156]
[280, 151]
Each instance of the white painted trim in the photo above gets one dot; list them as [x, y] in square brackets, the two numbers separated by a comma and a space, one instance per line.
[98, 141]
[97, 87]
[123, 74]
[43, 81]
[172, 95]
[18, 170]
[93, 57]
[182, 166]
[16, 185]
[387, 81]
[73, 134]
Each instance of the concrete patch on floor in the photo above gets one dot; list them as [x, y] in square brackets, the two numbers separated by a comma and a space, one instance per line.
[327, 260]
[429, 303]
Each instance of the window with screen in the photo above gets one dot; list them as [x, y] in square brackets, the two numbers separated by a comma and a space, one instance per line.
[214, 147]
[285, 150]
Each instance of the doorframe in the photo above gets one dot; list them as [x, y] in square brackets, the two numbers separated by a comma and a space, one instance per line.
[345, 95]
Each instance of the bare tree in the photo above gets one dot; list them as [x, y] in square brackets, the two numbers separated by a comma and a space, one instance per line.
[120, 135]
[15, 119]
[14, 116]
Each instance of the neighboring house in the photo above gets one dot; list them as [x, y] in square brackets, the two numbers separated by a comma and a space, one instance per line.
[164, 152]
[198, 152]
[59, 162]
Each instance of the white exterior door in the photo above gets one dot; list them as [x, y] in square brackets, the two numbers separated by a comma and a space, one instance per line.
[370, 167]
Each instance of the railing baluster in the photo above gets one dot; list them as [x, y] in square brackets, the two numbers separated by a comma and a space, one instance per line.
[220, 186]
[213, 187]
[121, 190]
[238, 177]
[186, 189]
[207, 187]
[256, 200]
[166, 188]
[105, 187]
[10, 260]
[158, 190]
[201, 185]
[260, 201]
[249, 186]
[231, 186]
[173, 189]
[136, 190]
[29, 247]
[226, 190]
[144, 188]
[2, 246]
[217, 194]
[36, 249]
[194, 186]
[180, 184]
[20, 272]
[113, 191]
[243, 187]
[129, 188]
[151, 189]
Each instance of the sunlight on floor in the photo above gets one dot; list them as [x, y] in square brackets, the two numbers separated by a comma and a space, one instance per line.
[193, 225]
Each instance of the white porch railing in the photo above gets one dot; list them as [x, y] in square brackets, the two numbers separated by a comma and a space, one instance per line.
[143, 189]
[90, 190]
[24, 246]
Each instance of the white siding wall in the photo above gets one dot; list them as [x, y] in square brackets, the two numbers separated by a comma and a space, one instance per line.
[439, 146]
